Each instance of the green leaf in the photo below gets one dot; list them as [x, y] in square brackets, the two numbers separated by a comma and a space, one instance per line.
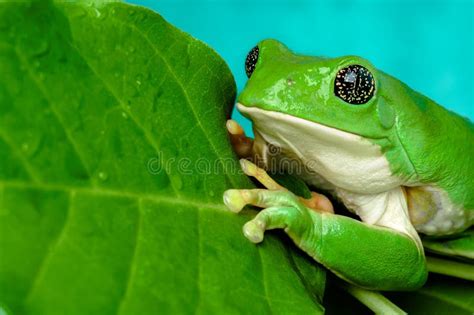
[113, 160]
[440, 295]
[460, 246]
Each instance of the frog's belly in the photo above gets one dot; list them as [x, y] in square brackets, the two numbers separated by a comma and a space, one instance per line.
[432, 212]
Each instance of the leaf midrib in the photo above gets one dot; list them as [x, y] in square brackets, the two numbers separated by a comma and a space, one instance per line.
[184, 200]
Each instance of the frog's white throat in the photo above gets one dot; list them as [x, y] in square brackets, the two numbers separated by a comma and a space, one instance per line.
[326, 157]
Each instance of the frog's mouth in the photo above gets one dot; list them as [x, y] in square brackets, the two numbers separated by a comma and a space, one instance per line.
[341, 159]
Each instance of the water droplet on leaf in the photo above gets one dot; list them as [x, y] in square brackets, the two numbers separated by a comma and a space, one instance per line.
[33, 145]
[97, 12]
[138, 79]
[103, 176]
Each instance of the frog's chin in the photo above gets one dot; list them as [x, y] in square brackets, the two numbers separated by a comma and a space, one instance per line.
[326, 157]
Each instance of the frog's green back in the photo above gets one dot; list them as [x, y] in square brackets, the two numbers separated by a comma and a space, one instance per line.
[439, 144]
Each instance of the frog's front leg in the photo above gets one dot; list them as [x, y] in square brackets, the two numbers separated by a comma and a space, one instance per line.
[369, 256]
[317, 202]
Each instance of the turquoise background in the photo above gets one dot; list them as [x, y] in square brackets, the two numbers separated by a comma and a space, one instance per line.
[426, 44]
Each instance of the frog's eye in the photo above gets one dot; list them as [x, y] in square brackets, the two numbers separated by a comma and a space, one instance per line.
[251, 61]
[354, 84]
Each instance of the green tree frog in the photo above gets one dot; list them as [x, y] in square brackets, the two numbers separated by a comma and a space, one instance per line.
[402, 163]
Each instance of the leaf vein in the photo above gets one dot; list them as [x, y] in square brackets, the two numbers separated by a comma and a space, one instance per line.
[264, 284]
[44, 263]
[116, 193]
[30, 170]
[42, 90]
[132, 269]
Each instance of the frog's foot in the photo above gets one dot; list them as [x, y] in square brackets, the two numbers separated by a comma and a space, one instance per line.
[282, 210]
[317, 202]
[241, 143]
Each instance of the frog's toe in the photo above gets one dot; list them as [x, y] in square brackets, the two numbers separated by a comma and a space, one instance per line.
[249, 168]
[253, 230]
[234, 128]
[240, 142]
[268, 219]
[234, 200]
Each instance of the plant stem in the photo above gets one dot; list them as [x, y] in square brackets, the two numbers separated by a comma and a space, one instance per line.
[372, 299]
[450, 268]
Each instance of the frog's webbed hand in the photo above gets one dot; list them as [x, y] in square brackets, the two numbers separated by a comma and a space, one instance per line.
[370, 256]
[283, 209]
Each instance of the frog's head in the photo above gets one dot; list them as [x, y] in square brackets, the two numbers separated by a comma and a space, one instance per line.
[343, 93]
[328, 104]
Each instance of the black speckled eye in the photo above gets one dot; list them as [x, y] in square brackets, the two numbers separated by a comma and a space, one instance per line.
[251, 61]
[354, 84]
